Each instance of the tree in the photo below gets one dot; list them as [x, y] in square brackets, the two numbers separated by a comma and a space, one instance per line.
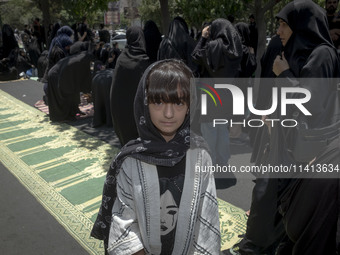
[260, 9]
[165, 15]
[15, 13]
[88, 8]
[151, 10]
[196, 12]
[44, 6]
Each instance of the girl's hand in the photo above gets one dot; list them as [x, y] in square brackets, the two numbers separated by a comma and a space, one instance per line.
[280, 64]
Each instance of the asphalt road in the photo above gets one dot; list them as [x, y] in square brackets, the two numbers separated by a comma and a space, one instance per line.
[25, 226]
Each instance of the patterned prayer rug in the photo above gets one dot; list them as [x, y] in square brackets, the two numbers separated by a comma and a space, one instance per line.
[86, 108]
[65, 169]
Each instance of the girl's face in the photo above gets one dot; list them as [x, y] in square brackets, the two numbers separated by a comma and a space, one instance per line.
[168, 117]
[284, 32]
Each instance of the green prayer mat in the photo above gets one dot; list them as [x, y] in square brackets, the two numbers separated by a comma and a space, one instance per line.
[65, 169]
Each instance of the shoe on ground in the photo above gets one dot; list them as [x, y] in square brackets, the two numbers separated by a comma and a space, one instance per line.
[231, 251]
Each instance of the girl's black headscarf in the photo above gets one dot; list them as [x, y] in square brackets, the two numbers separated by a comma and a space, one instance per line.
[225, 41]
[150, 147]
[309, 24]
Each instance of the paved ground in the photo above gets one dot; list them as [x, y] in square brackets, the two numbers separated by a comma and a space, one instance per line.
[25, 225]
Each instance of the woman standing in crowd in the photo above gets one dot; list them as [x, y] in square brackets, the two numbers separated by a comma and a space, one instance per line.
[248, 68]
[178, 44]
[308, 52]
[219, 54]
[311, 225]
[153, 39]
[248, 63]
[154, 202]
[130, 67]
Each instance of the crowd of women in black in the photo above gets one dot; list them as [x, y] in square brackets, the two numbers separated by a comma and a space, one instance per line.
[287, 215]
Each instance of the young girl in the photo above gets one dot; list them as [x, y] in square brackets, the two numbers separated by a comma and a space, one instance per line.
[154, 202]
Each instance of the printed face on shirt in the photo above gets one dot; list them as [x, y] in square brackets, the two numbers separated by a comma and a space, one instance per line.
[169, 213]
[167, 117]
[284, 32]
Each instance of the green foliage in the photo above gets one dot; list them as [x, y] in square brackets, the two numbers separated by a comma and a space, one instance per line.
[195, 12]
[19, 12]
[15, 13]
[65, 18]
[151, 10]
[124, 22]
[198, 11]
[89, 8]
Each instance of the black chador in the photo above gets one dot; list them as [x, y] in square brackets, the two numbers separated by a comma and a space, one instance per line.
[130, 67]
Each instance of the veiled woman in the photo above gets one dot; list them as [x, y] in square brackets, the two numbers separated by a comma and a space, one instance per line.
[153, 39]
[219, 54]
[66, 79]
[8, 40]
[130, 67]
[311, 206]
[308, 52]
[58, 50]
[178, 43]
[219, 50]
[248, 64]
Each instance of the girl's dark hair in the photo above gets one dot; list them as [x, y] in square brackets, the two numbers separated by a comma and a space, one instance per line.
[169, 82]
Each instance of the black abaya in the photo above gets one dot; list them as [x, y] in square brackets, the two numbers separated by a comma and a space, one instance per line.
[221, 54]
[42, 63]
[220, 57]
[153, 39]
[130, 67]
[248, 63]
[9, 42]
[310, 208]
[101, 86]
[178, 44]
[66, 80]
[309, 53]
